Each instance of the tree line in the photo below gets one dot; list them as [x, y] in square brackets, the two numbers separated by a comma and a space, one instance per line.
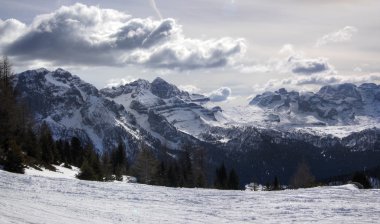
[303, 178]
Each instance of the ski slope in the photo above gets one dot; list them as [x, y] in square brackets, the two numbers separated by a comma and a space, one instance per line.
[39, 199]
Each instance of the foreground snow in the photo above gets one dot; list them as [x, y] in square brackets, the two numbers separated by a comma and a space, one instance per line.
[38, 199]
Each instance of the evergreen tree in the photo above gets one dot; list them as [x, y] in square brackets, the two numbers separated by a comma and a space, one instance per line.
[86, 172]
[302, 177]
[172, 176]
[187, 178]
[362, 179]
[233, 180]
[160, 175]
[144, 166]
[68, 159]
[199, 168]
[8, 106]
[47, 145]
[107, 167]
[16, 125]
[200, 181]
[76, 151]
[59, 146]
[94, 161]
[119, 160]
[267, 186]
[14, 159]
[276, 184]
[30, 145]
[118, 173]
[221, 177]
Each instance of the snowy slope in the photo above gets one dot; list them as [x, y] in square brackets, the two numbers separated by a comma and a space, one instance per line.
[252, 115]
[161, 102]
[74, 108]
[344, 106]
[154, 112]
[32, 199]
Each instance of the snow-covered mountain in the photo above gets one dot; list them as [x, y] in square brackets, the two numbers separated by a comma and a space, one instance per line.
[162, 109]
[72, 107]
[268, 136]
[343, 104]
[157, 112]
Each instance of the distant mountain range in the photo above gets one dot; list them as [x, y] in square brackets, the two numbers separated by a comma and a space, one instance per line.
[335, 129]
[331, 105]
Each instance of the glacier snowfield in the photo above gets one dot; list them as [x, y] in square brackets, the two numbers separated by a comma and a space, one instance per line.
[42, 199]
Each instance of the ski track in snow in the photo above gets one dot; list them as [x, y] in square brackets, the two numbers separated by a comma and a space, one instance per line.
[38, 199]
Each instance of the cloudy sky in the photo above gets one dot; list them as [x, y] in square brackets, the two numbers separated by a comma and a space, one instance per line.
[230, 49]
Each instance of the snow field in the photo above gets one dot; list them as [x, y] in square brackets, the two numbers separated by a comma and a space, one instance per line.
[39, 199]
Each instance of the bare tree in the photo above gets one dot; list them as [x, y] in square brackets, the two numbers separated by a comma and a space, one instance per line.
[5, 70]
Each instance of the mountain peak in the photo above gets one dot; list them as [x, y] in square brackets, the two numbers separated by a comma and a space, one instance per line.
[339, 91]
[41, 70]
[165, 90]
[159, 80]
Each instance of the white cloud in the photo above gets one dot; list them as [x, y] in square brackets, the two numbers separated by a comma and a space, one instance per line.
[189, 88]
[314, 82]
[254, 69]
[89, 35]
[297, 63]
[342, 35]
[292, 62]
[337, 79]
[119, 82]
[221, 94]
[10, 30]
[188, 54]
